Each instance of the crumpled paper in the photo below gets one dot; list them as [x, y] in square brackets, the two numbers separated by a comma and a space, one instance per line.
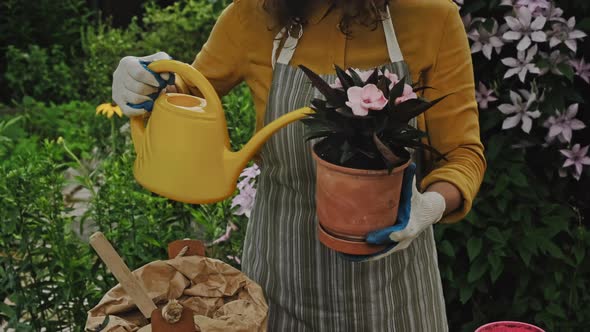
[222, 297]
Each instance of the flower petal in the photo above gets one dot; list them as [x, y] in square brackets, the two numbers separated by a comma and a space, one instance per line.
[538, 23]
[524, 43]
[512, 121]
[527, 124]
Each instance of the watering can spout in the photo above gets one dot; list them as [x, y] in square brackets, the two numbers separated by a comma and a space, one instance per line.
[239, 159]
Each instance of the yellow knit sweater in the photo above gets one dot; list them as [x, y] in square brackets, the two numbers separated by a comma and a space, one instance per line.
[434, 44]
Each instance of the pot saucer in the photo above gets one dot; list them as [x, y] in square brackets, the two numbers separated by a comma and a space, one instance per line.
[347, 246]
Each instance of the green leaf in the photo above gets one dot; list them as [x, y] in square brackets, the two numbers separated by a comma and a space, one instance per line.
[566, 70]
[497, 266]
[356, 78]
[584, 24]
[344, 78]
[447, 248]
[335, 97]
[465, 293]
[473, 248]
[494, 234]
[525, 255]
[556, 310]
[477, 270]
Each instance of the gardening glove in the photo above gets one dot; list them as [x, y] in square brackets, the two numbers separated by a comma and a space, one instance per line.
[417, 211]
[135, 87]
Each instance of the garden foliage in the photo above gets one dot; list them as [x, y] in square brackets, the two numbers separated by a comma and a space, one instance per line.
[522, 253]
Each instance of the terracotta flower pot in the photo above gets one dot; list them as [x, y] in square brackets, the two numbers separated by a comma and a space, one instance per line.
[350, 203]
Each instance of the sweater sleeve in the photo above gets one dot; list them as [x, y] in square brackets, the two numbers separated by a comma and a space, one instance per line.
[453, 124]
[223, 58]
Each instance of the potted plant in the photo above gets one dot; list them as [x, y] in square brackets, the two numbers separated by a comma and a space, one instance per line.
[363, 123]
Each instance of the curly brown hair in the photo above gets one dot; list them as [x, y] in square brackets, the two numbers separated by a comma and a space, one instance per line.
[365, 12]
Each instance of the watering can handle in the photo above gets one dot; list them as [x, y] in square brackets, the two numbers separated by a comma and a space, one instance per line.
[192, 76]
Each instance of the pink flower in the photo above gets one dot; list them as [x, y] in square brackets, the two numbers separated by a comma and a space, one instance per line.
[483, 95]
[485, 40]
[520, 111]
[406, 95]
[522, 64]
[582, 69]
[563, 125]
[576, 157]
[363, 74]
[392, 77]
[361, 100]
[533, 5]
[245, 199]
[524, 29]
[566, 33]
[228, 230]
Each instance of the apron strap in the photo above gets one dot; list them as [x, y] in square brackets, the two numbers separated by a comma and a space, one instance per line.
[294, 33]
[288, 49]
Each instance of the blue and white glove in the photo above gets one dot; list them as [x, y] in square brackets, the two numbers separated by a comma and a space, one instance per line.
[135, 87]
[417, 211]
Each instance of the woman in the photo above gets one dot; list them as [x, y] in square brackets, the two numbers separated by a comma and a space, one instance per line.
[308, 286]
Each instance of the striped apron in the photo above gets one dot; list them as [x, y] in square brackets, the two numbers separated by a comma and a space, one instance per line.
[310, 287]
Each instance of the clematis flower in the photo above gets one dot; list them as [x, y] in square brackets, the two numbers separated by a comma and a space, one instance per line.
[226, 236]
[522, 64]
[245, 198]
[533, 5]
[485, 41]
[566, 33]
[576, 157]
[554, 60]
[563, 124]
[520, 108]
[553, 14]
[363, 74]
[250, 172]
[361, 100]
[582, 69]
[524, 29]
[483, 95]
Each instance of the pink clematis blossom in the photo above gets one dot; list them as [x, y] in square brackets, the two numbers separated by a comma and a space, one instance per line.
[245, 199]
[553, 13]
[563, 124]
[533, 5]
[520, 108]
[361, 100]
[231, 227]
[566, 33]
[483, 95]
[485, 41]
[522, 64]
[582, 69]
[524, 29]
[576, 157]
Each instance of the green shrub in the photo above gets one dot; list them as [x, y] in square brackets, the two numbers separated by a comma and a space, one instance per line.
[44, 270]
[179, 30]
[103, 48]
[41, 73]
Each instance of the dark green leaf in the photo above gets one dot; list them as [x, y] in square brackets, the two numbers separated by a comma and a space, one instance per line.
[474, 246]
[344, 78]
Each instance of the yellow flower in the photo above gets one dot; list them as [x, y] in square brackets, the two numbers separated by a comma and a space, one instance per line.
[109, 109]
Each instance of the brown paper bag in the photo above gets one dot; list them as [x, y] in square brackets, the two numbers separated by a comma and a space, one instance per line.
[222, 297]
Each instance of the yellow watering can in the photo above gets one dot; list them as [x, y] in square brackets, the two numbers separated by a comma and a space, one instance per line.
[183, 153]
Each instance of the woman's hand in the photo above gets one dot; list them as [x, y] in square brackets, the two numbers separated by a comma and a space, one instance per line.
[417, 211]
[135, 87]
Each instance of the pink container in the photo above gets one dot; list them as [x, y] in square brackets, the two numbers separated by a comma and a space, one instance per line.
[509, 327]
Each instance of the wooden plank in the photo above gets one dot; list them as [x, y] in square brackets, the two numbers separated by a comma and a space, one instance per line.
[119, 269]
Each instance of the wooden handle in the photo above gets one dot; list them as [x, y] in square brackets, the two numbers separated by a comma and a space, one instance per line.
[119, 269]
